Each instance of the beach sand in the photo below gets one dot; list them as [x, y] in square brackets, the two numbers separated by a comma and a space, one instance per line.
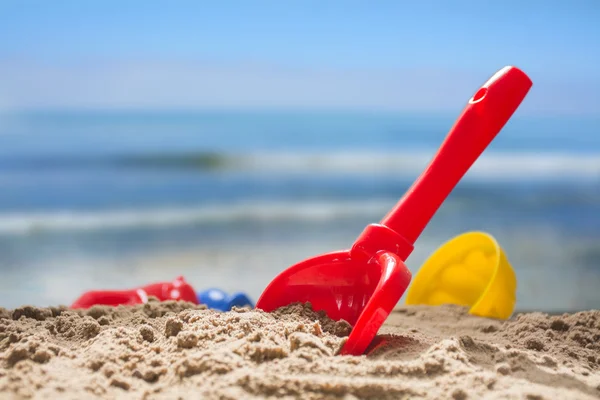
[178, 350]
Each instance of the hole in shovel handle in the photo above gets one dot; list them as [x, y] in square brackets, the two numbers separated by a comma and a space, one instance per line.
[479, 95]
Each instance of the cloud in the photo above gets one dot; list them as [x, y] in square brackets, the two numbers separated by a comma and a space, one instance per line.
[194, 85]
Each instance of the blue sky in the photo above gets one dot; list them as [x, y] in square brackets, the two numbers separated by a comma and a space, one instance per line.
[426, 55]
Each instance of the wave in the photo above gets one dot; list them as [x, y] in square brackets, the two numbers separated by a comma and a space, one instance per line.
[406, 163]
[488, 166]
[89, 221]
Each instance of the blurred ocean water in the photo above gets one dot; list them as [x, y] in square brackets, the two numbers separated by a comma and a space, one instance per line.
[229, 199]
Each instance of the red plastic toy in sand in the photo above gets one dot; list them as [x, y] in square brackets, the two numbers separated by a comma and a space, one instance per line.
[362, 285]
[178, 289]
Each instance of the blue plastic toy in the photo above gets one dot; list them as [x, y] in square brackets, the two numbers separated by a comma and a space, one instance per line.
[219, 300]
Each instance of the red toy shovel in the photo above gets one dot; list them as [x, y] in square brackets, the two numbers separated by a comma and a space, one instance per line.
[362, 285]
[178, 289]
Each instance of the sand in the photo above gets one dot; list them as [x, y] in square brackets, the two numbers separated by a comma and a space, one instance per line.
[178, 350]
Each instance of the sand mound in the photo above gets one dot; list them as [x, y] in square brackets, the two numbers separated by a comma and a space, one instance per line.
[178, 350]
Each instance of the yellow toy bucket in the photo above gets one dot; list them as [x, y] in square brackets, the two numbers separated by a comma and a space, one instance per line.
[469, 270]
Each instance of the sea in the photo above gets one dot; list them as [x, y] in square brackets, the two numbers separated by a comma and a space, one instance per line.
[228, 199]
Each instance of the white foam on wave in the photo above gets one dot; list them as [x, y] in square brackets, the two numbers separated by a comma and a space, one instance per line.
[26, 223]
[493, 165]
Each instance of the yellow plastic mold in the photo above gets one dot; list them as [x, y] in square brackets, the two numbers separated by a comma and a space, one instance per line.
[469, 270]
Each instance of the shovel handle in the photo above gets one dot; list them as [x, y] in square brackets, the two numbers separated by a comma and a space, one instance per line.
[484, 116]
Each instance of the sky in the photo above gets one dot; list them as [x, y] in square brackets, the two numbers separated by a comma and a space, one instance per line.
[400, 55]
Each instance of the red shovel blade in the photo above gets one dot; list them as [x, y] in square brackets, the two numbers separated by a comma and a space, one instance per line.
[341, 285]
[362, 285]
